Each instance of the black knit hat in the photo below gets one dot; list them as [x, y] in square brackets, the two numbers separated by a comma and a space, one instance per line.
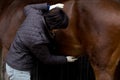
[56, 19]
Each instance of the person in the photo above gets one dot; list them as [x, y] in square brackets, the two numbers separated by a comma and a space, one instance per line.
[33, 40]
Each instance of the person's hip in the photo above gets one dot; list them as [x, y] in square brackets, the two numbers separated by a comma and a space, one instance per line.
[14, 74]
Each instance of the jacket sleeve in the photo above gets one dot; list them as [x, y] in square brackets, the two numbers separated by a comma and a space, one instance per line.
[36, 7]
[43, 54]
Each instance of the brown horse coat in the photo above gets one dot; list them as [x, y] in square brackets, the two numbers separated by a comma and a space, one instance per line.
[94, 28]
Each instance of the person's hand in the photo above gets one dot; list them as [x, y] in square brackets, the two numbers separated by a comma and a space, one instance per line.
[71, 59]
[60, 5]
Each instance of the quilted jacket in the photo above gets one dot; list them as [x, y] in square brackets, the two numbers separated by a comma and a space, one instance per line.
[32, 41]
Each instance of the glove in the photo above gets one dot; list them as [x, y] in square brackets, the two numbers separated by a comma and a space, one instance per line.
[71, 59]
[60, 5]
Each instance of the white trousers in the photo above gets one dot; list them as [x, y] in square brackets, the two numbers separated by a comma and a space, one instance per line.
[14, 74]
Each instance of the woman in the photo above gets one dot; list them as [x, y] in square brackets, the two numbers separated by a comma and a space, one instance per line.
[33, 40]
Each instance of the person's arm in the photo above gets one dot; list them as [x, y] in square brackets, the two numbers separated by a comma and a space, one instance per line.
[36, 7]
[42, 53]
[42, 6]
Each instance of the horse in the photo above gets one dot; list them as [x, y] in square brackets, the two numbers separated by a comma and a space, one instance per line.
[96, 32]
[12, 16]
[93, 30]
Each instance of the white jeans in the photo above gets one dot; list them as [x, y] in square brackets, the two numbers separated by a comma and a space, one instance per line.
[14, 74]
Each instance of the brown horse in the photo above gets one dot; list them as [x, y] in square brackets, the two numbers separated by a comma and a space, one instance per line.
[94, 29]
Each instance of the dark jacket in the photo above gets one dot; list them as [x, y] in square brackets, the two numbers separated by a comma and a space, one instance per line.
[31, 41]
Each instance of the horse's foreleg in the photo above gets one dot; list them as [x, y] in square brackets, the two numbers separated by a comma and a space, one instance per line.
[103, 74]
[107, 72]
[4, 51]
